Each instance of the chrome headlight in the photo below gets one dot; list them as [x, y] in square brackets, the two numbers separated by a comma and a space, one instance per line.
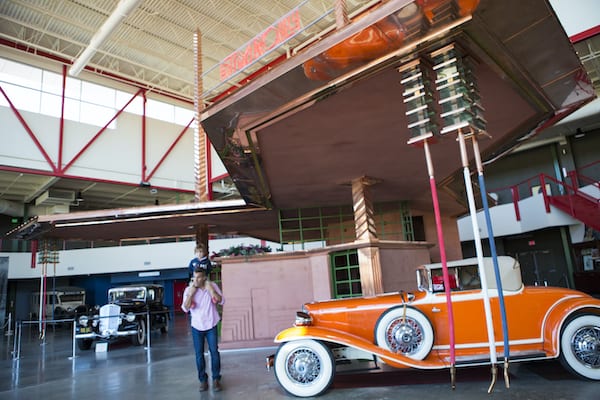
[302, 319]
[96, 320]
[83, 320]
[130, 317]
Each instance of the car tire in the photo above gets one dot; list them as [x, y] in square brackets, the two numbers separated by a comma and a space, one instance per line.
[410, 334]
[304, 368]
[84, 344]
[140, 337]
[579, 344]
[165, 327]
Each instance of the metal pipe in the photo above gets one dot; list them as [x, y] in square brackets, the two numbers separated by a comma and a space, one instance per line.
[446, 277]
[119, 14]
[488, 221]
[478, 249]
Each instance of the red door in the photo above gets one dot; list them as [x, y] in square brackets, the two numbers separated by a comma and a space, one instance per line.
[178, 288]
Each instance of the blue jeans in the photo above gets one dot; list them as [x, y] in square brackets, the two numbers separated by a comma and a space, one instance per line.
[213, 347]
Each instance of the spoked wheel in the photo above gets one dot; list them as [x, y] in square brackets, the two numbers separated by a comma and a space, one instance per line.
[140, 337]
[580, 346]
[304, 368]
[407, 332]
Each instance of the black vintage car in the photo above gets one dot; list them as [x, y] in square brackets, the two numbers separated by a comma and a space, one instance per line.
[127, 314]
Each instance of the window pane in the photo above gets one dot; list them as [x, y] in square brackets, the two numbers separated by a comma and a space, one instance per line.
[73, 88]
[135, 107]
[50, 105]
[72, 109]
[183, 116]
[22, 98]
[96, 115]
[162, 111]
[97, 94]
[343, 289]
[51, 82]
[20, 74]
[341, 275]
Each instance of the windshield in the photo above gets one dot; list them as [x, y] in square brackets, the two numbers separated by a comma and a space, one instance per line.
[121, 294]
[72, 298]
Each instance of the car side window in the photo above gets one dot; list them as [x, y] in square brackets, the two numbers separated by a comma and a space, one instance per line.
[469, 277]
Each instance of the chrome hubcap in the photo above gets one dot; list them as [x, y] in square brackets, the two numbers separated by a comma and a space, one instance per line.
[303, 366]
[404, 336]
[586, 346]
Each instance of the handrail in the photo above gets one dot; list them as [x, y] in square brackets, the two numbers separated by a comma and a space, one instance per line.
[543, 180]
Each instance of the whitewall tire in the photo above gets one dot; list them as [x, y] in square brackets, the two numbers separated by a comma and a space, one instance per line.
[406, 332]
[580, 346]
[304, 368]
[140, 337]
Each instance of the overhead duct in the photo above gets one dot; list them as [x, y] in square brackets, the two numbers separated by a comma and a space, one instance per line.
[52, 197]
[119, 14]
[12, 208]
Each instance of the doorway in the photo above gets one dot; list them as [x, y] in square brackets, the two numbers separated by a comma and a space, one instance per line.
[539, 268]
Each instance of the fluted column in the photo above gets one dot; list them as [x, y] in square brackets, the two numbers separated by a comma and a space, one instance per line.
[366, 231]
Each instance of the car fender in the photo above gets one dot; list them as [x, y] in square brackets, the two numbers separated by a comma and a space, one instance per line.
[558, 315]
[343, 338]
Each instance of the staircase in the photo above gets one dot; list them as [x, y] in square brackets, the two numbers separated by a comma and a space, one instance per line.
[579, 205]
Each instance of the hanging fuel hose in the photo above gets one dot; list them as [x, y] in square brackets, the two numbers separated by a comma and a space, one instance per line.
[488, 221]
[446, 276]
[480, 262]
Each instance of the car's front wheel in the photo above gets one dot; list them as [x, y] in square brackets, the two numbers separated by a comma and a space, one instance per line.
[580, 346]
[405, 331]
[140, 337]
[304, 368]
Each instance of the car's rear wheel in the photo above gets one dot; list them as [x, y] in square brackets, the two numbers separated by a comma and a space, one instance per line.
[140, 337]
[165, 327]
[580, 346]
[304, 368]
[84, 344]
[405, 331]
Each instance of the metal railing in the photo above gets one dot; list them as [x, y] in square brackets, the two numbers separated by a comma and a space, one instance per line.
[546, 185]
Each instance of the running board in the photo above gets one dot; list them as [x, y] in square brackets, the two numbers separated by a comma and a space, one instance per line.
[484, 359]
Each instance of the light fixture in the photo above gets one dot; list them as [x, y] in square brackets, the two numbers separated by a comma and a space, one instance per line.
[418, 96]
[457, 89]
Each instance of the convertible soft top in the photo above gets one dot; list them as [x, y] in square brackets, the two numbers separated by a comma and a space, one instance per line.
[510, 271]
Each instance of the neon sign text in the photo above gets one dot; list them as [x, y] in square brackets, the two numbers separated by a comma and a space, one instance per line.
[265, 41]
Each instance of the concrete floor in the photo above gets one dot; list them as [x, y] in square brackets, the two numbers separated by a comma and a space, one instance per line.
[166, 370]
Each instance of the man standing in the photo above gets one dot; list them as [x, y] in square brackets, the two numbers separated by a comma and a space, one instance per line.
[200, 299]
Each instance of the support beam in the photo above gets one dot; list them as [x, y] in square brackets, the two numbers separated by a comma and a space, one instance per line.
[369, 260]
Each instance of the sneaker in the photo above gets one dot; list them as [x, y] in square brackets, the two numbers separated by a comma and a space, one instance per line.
[217, 385]
[203, 386]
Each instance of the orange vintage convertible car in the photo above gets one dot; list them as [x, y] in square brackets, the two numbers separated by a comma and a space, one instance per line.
[411, 330]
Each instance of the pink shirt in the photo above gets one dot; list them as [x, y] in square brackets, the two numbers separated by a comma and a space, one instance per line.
[203, 311]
